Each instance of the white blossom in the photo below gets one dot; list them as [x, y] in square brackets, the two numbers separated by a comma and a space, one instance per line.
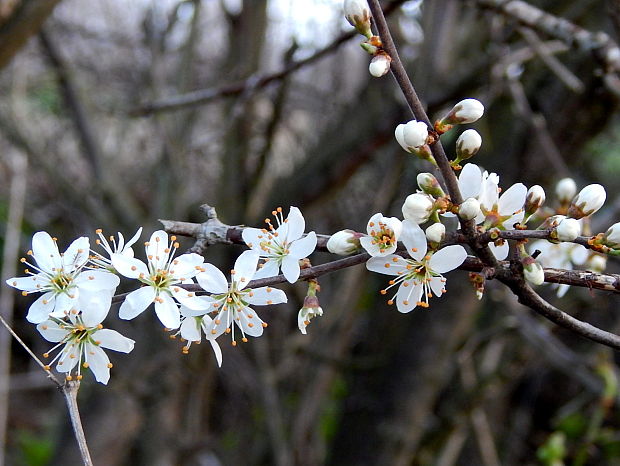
[192, 327]
[559, 256]
[112, 246]
[161, 274]
[589, 200]
[383, 233]
[63, 279]
[232, 302]
[468, 144]
[379, 65]
[469, 209]
[411, 135]
[281, 247]
[344, 242]
[420, 276]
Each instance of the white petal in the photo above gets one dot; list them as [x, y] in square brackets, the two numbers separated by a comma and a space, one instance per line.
[94, 306]
[65, 303]
[470, 180]
[218, 326]
[296, 224]
[253, 237]
[448, 258]
[41, 308]
[579, 254]
[51, 331]
[212, 279]
[290, 269]
[45, 252]
[96, 280]
[76, 254]
[98, 363]
[268, 269]
[437, 285]
[512, 199]
[500, 252]
[185, 266]
[414, 239]
[407, 297]
[562, 289]
[245, 268]
[265, 295]
[113, 340]
[69, 358]
[373, 222]
[156, 250]
[217, 351]
[133, 240]
[190, 329]
[372, 248]
[303, 247]
[128, 266]
[30, 283]
[249, 322]
[191, 301]
[136, 302]
[389, 265]
[167, 311]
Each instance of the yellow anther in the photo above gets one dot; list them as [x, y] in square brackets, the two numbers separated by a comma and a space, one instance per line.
[85, 365]
[250, 324]
[46, 355]
[47, 368]
[383, 292]
[387, 265]
[264, 324]
[176, 245]
[98, 231]
[69, 378]
[110, 365]
[390, 301]
[234, 343]
[79, 377]
[244, 340]
[173, 238]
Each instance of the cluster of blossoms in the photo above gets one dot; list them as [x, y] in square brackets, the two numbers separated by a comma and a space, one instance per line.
[77, 288]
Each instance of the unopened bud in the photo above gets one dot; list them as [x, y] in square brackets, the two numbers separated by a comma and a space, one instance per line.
[358, 15]
[466, 111]
[309, 311]
[589, 200]
[566, 190]
[469, 209]
[468, 144]
[436, 233]
[411, 135]
[429, 184]
[344, 242]
[568, 229]
[533, 271]
[534, 198]
[379, 65]
[596, 263]
[418, 207]
[611, 237]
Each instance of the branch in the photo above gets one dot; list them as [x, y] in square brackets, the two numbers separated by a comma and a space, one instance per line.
[69, 391]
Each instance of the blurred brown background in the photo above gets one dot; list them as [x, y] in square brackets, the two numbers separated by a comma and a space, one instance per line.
[462, 383]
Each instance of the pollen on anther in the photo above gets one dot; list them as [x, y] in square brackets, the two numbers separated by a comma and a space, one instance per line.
[46, 355]
[228, 330]
[110, 365]
[265, 324]
[383, 291]
[390, 301]
[234, 343]
[244, 340]
[24, 293]
[387, 266]
[405, 302]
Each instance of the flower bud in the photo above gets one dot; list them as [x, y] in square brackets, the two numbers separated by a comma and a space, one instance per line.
[429, 184]
[309, 311]
[468, 144]
[589, 200]
[469, 209]
[357, 14]
[436, 233]
[596, 263]
[533, 271]
[568, 229]
[415, 133]
[466, 111]
[611, 237]
[418, 207]
[533, 200]
[379, 65]
[566, 190]
[344, 242]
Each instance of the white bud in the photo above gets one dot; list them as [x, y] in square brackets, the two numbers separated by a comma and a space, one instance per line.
[418, 207]
[534, 198]
[415, 133]
[533, 271]
[343, 242]
[467, 111]
[429, 184]
[612, 236]
[379, 65]
[566, 190]
[468, 144]
[436, 233]
[589, 200]
[596, 263]
[568, 229]
[357, 14]
[469, 209]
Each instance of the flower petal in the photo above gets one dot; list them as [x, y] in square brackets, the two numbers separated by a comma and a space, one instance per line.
[69, 358]
[96, 280]
[296, 224]
[388, 265]
[265, 295]
[470, 180]
[303, 247]
[29, 283]
[437, 285]
[98, 363]
[136, 302]
[51, 331]
[290, 269]
[113, 340]
[95, 306]
[408, 297]
[167, 311]
[190, 329]
[245, 267]
[217, 351]
[129, 266]
[512, 199]
[186, 266]
[253, 237]
[500, 252]
[76, 254]
[212, 279]
[248, 321]
[414, 239]
[41, 308]
[448, 258]
[269, 268]
[45, 252]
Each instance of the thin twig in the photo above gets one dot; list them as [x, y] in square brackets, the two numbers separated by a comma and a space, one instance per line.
[69, 391]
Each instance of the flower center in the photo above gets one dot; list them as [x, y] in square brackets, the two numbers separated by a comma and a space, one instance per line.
[384, 237]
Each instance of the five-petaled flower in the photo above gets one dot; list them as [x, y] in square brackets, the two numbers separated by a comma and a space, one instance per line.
[282, 246]
[421, 275]
[162, 274]
[232, 302]
[383, 234]
[83, 338]
[111, 247]
[63, 279]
